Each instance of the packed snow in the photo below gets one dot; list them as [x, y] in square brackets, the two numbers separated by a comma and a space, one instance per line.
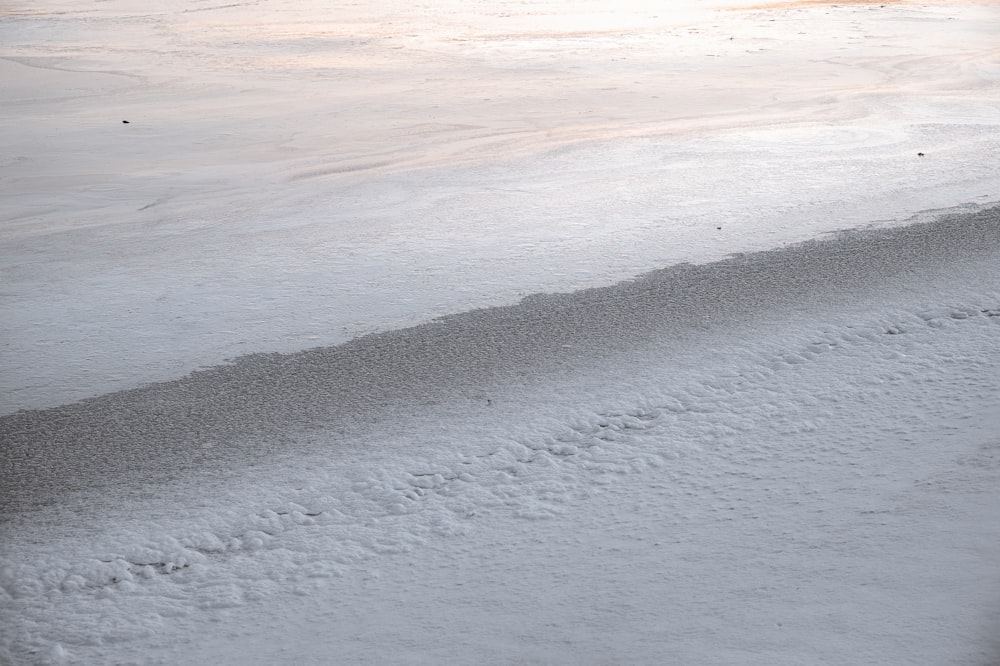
[520, 333]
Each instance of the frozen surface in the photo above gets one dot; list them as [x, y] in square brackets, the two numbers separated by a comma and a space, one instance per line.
[297, 174]
[765, 449]
[804, 469]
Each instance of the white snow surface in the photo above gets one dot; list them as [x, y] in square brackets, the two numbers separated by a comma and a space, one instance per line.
[816, 485]
[760, 452]
[296, 174]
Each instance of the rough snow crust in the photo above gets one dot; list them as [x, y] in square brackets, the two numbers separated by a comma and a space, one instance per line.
[245, 410]
[810, 476]
[766, 449]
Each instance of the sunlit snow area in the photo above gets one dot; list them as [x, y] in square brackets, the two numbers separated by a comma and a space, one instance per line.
[493, 332]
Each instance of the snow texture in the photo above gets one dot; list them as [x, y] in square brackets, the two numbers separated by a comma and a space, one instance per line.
[810, 476]
[487, 333]
[295, 176]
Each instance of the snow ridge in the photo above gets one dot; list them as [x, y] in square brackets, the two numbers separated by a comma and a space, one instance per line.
[342, 523]
[732, 422]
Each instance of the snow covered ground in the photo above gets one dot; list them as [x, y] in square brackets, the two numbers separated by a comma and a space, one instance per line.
[766, 449]
[296, 174]
[788, 458]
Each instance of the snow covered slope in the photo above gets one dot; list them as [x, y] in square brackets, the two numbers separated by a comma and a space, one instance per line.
[787, 457]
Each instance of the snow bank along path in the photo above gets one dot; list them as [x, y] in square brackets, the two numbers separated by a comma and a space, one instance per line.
[784, 457]
[296, 175]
